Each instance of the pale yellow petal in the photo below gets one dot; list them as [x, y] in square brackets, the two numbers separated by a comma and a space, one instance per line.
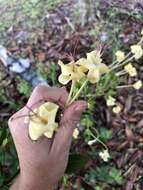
[120, 55]
[36, 130]
[137, 85]
[77, 74]
[49, 133]
[63, 79]
[75, 133]
[43, 121]
[103, 68]
[130, 70]
[85, 63]
[137, 51]
[82, 69]
[110, 101]
[93, 75]
[94, 57]
[65, 69]
[48, 110]
[133, 72]
[105, 155]
[81, 61]
[117, 109]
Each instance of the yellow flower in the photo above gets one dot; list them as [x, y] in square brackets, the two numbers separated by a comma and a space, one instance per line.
[117, 109]
[130, 70]
[110, 101]
[70, 72]
[120, 55]
[94, 57]
[93, 60]
[93, 75]
[43, 121]
[137, 51]
[142, 32]
[93, 66]
[105, 155]
[75, 133]
[137, 85]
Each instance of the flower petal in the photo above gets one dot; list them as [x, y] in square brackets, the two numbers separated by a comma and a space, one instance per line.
[110, 101]
[43, 122]
[48, 111]
[137, 51]
[130, 70]
[75, 133]
[64, 79]
[137, 85]
[117, 109]
[65, 69]
[84, 63]
[103, 68]
[94, 57]
[93, 75]
[49, 133]
[120, 55]
[36, 130]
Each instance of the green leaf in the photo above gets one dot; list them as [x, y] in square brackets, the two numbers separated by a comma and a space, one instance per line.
[116, 175]
[105, 134]
[24, 88]
[76, 162]
[106, 174]
[98, 188]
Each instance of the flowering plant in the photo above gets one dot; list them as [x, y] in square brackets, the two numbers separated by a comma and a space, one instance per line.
[89, 71]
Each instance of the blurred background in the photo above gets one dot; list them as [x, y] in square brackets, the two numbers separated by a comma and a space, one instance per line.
[34, 35]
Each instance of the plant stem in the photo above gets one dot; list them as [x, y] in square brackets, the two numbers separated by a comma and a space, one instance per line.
[121, 73]
[71, 92]
[121, 61]
[119, 65]
[78, 93]
[125, 86]
[98, 140]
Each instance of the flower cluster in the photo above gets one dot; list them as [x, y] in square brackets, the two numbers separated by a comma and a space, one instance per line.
[87, 70]
[112, 102]
[91, 68]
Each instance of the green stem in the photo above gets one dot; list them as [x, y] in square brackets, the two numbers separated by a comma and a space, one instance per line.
[78, 93]
[121, 73]
[115, 67]
[118, 63]
[124, 86]
[71, 92]
[98, 140]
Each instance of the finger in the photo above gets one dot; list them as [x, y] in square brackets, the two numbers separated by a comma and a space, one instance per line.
[16, 122]
[20, 134]
[63, 136]
[45, 93]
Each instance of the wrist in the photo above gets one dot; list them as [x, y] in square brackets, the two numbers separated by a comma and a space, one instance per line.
[34, 182]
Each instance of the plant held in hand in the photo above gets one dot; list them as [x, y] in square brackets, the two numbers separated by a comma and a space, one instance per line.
[89, 71]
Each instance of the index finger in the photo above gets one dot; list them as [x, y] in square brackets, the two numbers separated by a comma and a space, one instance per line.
[44, 93]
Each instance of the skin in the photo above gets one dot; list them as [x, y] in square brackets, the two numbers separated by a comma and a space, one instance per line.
[43, 163]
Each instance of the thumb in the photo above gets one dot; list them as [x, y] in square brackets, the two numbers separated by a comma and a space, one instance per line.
[71, 116]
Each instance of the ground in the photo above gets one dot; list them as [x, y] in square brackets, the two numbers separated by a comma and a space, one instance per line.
[51, 32]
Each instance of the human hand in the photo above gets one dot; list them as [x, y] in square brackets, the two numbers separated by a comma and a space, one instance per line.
[43, 163]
